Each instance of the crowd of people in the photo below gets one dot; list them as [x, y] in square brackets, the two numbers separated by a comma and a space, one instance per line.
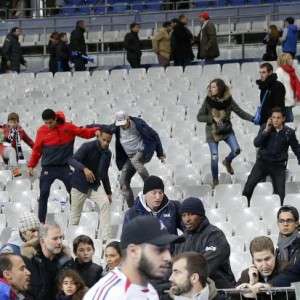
[173, 42]
[152, 260]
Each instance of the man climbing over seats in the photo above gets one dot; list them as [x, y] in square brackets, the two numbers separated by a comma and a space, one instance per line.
[136, 142]
[91, 163]
[273, 142]
[54, 143]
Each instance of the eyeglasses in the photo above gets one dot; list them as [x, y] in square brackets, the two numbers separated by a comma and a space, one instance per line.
[287, 221]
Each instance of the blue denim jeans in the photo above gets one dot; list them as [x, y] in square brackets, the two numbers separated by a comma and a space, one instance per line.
[232, 142]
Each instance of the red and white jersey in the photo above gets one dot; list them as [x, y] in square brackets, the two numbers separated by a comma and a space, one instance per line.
[116, 286]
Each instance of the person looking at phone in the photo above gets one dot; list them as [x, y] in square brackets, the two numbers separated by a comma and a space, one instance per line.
[273, 142]
[264, 267]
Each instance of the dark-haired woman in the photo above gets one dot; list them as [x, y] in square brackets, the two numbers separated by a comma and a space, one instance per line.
[216, 112]
[63, 53]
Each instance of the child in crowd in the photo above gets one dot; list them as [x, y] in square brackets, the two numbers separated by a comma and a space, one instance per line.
[83, 248]
[113, 255]
[12, 135]
[70, 286]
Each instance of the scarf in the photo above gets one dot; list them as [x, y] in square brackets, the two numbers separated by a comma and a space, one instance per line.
[220, 104]
[284, 242]
[14, 137]
[267, 84]
[295, 82]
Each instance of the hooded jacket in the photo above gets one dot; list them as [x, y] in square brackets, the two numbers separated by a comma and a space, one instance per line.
[289, 44]
[168, 213]
[150, 139]
[211, 242]
[222, 108]
[55, 145]
[274, 98]
[44, 272]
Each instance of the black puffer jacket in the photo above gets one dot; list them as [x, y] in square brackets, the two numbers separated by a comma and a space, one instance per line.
[212, 243]
[274, 98]
[12, 52]
[44, 274]
[89, 272]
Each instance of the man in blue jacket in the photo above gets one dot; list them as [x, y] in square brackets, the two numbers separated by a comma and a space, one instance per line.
[153, 201]
[136, 142]
[91, 163]
[289, 37]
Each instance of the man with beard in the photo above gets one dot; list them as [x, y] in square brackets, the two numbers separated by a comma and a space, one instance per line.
[46, 262]
[189, 279]
[145, 247]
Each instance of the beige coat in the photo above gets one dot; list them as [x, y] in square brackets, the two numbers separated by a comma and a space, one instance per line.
[161, 43]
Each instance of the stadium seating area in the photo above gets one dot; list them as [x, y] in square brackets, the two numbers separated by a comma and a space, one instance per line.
[169, 101]
[86, 7]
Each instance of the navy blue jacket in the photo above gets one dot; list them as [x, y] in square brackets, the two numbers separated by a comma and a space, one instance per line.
[168, 213]
[91, 156]
[150, 138]
[273, 146]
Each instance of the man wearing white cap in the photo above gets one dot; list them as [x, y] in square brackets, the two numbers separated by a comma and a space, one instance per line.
[136, 143]
[25, 237]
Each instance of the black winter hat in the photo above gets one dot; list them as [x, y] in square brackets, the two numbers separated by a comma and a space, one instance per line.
[153, 183]
[192, 205]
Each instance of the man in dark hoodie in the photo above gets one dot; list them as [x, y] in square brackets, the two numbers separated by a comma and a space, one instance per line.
[78, 45]
[207, 239]
[181, 43]
[153, 201]
[12, 57]
[289, 37]
[272, 92]
[132, 45]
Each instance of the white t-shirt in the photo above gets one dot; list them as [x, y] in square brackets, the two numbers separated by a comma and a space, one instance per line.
[116, 286]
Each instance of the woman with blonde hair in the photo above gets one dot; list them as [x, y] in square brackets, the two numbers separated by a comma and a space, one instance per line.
[286, 74]
[216, 113]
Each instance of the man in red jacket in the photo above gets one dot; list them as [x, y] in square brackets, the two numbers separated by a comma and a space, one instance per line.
[13, 134]
[54, 143]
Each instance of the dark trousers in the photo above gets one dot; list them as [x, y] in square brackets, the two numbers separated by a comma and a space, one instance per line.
[134, 60]
[260, 170]
[182, 61]
[79, 64]
[48, 175]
